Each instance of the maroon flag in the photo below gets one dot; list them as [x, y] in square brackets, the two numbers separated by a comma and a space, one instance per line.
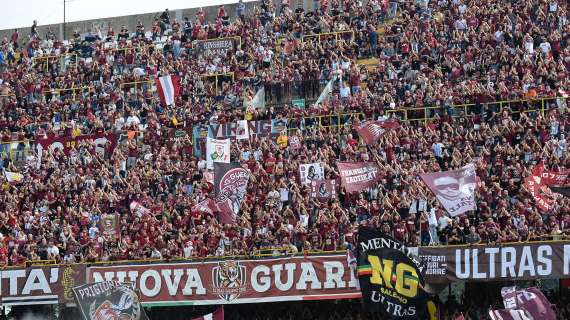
[538, 189]
[230, 185]
[455, 189]
[358, 175]
[508, 315]
[552, 178]
[372, 130]
[207, 206]
[323, 189]
[531, 300]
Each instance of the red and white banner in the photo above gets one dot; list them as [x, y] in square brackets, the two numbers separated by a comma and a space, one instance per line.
[454, 189]
[98, 142]
[168, 88]
[236, 281]
[372, 130]
[552, 178]
[357, 176]
[539, 190]
[323, 189]
[216, 315]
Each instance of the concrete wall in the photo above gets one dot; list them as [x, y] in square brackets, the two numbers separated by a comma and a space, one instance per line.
[129, 21]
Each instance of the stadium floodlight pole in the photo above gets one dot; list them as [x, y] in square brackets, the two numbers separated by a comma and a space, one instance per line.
[64, 2]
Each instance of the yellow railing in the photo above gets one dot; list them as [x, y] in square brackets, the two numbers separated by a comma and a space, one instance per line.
[136, 84]
[49, 58]
[333, 120]
[216, 77]
[426, 114]
[289, 253]
[73, 90]
[336, 35]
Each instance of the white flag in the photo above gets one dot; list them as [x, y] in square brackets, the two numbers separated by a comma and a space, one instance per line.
[258, 100]
[325, 94]
[13, 177]
[217, 151]
[242, 130]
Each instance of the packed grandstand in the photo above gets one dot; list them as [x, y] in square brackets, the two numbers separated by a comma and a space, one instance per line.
[469, 82]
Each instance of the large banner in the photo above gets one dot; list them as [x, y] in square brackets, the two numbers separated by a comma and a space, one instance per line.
[515, 261]
[311, 171]
[236, 281]
[217, 151]
[109, 300]
[215, 47]
[357, 176]
[390, 276]
[232, 130]
[40, 285]
[230, 186]
[454, 189]
[98, 142]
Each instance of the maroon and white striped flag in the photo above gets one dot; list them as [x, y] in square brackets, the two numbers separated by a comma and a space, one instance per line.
[371, 131]
[168, 88]
[216, 315]
[514, 314]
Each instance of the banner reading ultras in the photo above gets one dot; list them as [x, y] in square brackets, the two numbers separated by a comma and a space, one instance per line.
[236, 281]
[390, 277]
[517, 261]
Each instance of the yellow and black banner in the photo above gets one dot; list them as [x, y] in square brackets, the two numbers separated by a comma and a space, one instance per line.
[390, 277]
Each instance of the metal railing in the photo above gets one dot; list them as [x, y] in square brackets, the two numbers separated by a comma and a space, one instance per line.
[426, 114]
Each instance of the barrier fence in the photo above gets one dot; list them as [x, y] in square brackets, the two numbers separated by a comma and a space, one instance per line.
[18, 150]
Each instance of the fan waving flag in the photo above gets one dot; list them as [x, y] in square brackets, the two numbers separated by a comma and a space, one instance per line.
[168, 88]
[371, 131]
[216, 315]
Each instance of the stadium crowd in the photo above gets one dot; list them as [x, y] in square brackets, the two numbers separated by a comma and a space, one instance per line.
[430, 54]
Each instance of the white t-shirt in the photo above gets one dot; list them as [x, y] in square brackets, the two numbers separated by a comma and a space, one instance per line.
[344, 92]
[133, 120]
[437, 149]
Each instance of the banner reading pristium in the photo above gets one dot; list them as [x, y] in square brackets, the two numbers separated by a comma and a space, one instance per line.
[236, 281]
[513, 261]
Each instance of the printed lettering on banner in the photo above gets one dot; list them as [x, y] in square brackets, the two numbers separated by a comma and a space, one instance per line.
[236, 281]
[515, 261]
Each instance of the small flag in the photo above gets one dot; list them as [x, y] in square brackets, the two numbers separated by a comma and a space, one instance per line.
[13, 177]
[216, 315]
[168, 88]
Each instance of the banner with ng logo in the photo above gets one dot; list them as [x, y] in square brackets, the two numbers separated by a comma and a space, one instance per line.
[390, 277]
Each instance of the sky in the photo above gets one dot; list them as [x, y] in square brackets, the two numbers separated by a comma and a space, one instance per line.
[21, 13]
